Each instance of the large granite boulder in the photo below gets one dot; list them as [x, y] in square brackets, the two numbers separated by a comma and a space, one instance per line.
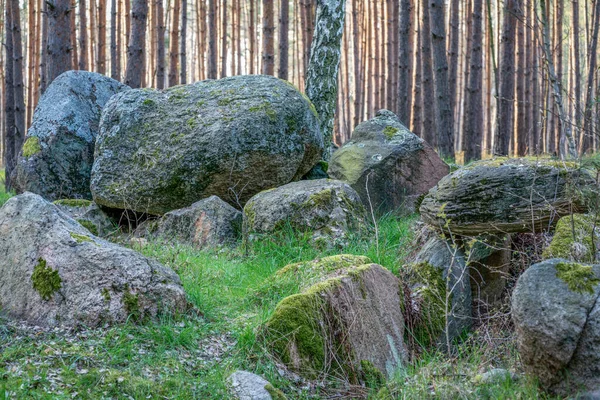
[53, 271]
[397, 165]
[159, 151]
[58, 153]
[88, 214]
[328, 209]
[556, 313]
[350, 325]
[441, 291]
[207, 223]
[505, 195]
[577, 238]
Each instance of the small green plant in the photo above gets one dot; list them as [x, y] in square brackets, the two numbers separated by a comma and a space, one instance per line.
[578, 277]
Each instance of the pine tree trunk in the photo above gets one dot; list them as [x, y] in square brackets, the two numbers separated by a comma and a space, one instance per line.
[268, 47]
[521, 128]
[322, 75]
[505, 120]
[182, 52]
[135, 50]
[453, 50]
[252, 35]
[174, 43]
[224, 39]
[473, 116]
[59, 38]
[427, 94]
[101, 63]
[31, 52]
[588, 121]
[160, 44]
[44, 49]
[74, 56]
[577, 71]
[9, 145]
[284, 19]
[83, 41]
[212, 40]
[115, 73]
[444, 117]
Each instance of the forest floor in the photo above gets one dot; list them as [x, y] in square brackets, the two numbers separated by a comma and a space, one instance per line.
[191, 356]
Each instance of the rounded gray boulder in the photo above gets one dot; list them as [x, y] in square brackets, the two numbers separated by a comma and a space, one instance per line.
[58, 153]
[53, 272]
[163, 150]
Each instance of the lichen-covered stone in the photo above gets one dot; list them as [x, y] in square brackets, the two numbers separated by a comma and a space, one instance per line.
[441, 292]
[54, 272]
[89, 215]
[58, 152]
[245, 385]
[397, 165]
[577, 238]
[556, 313]
[505, 195]
[339, 325]
[210, 222]
[328, 209]
[159, 151]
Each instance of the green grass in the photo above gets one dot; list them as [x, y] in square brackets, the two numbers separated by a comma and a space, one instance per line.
[190, 357]
[3, 195]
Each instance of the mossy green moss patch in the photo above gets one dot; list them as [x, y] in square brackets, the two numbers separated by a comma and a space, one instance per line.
[575, 238]
[390, 131]
[46, 281]
[73, 203]
[89, 225]
[371, 375]
[131, 305]
[275, 393]
[579, 278]
[80, 238]
[31, 146]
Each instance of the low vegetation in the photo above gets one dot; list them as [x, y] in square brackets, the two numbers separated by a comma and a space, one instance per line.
[190, 356]
[3, 195]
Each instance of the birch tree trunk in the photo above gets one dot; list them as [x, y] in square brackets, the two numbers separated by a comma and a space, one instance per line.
[322, 75]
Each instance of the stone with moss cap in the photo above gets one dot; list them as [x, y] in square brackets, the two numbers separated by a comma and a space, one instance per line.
[556, 311]
[577, 238]
[505, 195]
[89, 215]
[55, 272]
[244, 385]
[398, 165]
[326, 208]
[340, 325]
[58, 153]
[230, 138]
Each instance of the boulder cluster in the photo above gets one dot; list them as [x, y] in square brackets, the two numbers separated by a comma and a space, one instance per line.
[220, 162]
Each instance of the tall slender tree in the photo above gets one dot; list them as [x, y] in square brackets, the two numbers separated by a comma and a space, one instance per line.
[213, 53]
[135, 50]
[268, 46]
[160, 45]
[59, 38]
[284, 19]
[9, 142]
[473, 116]
[404, 55]
[588, 121]
[83, 38]
[101, 56]
[174, 43]
[115, 72]
[182, 51]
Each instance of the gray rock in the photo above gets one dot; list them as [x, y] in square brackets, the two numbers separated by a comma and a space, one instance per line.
[54, 272]
[495, 376]
[58, 153]
[350, 325]
[160, 151]
[577, 238]
[88, 214]
[327, 208]
[489, 258]
[505, 195]
[440, 272]
[210, 222]
[248, 386]
[556, 313]
[398, 165]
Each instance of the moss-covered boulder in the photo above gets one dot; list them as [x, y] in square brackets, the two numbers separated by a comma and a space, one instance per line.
[505, 195]
[556, 311]
[577, 238]
[440, 293]
[330, 210]
[53, 272]
[397, 165]
[160, 151]
[209, 222]
[89, 215]
[350, 325]
[58, 153]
